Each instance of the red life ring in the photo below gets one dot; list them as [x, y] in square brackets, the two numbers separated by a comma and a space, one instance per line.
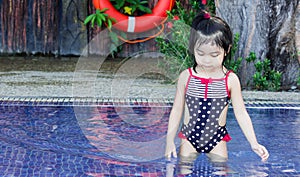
[140, 23]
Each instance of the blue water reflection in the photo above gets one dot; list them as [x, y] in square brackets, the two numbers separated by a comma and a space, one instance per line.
[52, 141]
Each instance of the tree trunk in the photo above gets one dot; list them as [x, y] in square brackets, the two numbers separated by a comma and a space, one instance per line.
[266, 27]
[282, 39]
[297, 25]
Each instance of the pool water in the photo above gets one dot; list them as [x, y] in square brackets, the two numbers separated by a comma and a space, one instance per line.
[110, 139]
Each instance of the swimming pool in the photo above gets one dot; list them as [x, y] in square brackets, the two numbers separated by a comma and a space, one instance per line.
[104, 138]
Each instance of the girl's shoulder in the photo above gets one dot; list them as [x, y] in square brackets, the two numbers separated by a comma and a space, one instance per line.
[185, 72]
[232, 75]
[183, 76]
[233, 79]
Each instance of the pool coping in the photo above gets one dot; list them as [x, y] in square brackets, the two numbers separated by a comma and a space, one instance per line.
[108, 101]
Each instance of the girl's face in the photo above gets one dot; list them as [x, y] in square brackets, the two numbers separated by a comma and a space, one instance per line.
[209, 56]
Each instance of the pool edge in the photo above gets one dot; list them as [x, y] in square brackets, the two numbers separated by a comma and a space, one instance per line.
[167, 102]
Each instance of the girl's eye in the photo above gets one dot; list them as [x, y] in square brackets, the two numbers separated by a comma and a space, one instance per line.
[200, 53]
[215, 54]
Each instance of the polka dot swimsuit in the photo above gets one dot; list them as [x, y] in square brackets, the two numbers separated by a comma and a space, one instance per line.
[205, 101]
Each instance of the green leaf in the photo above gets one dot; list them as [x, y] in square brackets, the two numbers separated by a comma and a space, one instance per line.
[133, 8]
[93, 21]
[103, 10]
[101, 16]
[144, 9]
[109, 23]
[259, 66]
[131, 1]
[119, 4]
[251, 57]
[99, 21]
[88, 19]
[112, 19]
[114, 37]
[144, 2]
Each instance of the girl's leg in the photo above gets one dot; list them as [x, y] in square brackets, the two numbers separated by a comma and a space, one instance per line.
[219, 153]
[188, 155]
[186, 149]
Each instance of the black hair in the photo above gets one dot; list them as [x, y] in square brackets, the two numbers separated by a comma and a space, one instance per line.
[206, 28]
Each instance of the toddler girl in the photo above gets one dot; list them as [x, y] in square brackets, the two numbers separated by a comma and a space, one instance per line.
[203, 94]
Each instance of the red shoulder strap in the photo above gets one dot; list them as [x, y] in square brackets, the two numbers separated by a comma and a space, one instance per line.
[190, 71]
[188, 81]
[226, 81]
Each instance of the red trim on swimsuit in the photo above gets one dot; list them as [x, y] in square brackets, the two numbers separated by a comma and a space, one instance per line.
[207, 81]
[226, 79]
[227, 138]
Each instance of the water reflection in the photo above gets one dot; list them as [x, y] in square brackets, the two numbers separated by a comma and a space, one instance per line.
[197, 165]
[48, 140]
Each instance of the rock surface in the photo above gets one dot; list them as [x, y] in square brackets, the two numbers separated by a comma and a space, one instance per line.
[267, 28]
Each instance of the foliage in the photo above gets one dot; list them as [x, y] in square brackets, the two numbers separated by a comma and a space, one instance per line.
[100, 17]
[131, 6]
[176, 55]
[184, 14]
[231, 63]
[174, 43]
[174, 46]
[298, 81]
[211, 7]
[264, 77]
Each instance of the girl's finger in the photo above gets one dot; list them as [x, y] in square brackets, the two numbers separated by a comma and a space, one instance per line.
[174, 154]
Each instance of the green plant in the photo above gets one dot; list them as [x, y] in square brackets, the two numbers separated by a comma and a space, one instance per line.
[264, 77]
[176, 54]
[211, 6]
[184, 14]
[231, 63]
[298, 81]
[100, 17]
[131, 6]
[174, 44]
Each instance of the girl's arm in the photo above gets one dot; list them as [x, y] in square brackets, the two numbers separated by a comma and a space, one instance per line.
[243, 117]
[176, 115]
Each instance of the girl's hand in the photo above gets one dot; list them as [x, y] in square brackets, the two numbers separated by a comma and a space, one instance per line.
[170, 150]
[261, 151]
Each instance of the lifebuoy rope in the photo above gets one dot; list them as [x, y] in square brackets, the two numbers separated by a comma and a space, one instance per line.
[145, 39]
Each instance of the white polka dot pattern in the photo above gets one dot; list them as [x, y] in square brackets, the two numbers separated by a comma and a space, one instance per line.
[205, 100]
